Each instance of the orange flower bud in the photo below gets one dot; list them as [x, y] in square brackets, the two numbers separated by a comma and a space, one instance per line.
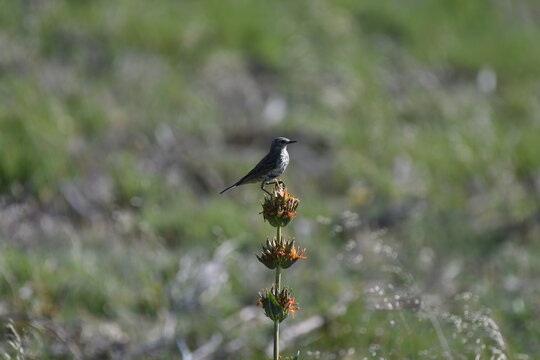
[278, 252]
[277, 304]
[280, 207]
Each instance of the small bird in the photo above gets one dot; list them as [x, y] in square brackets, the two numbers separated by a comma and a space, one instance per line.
[270, 167]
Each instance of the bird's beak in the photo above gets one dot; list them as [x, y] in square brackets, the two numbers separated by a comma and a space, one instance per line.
[292, 141]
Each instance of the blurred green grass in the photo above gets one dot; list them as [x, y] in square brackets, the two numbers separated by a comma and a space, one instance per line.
[121, 121]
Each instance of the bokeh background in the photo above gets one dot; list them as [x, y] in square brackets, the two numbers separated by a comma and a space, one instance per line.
[418, 168]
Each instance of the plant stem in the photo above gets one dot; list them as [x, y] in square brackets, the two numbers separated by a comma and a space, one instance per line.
[278, 278]
[278, 268]
[278, 287]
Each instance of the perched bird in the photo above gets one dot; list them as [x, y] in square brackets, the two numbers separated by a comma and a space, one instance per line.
[270, 167]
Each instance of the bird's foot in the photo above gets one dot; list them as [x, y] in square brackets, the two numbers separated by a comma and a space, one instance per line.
[278, 182]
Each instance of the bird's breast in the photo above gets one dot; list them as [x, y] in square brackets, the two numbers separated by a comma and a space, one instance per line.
[284, 159]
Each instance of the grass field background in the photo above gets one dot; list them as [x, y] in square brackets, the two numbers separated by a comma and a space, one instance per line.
[417, 166]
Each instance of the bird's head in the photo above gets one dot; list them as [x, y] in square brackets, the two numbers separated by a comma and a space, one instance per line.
[281, 142]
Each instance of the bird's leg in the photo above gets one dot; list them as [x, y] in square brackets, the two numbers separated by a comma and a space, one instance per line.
[277, 182]
[263, 189]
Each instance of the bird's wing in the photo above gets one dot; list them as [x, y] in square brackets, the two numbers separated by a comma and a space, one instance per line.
[263, 167]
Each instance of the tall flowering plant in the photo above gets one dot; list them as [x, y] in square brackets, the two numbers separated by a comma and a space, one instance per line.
[279, 253]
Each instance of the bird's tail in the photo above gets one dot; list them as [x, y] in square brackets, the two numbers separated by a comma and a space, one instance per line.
[230, 187]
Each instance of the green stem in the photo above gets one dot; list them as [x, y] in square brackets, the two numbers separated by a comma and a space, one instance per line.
[278, 288]
[278, 268]
[276, 340]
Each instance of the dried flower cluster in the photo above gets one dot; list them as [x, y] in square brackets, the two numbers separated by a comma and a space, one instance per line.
[279, 252]
[277, 304]
[280, 208]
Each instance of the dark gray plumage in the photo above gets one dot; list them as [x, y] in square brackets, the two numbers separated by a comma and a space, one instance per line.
[270, 167]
